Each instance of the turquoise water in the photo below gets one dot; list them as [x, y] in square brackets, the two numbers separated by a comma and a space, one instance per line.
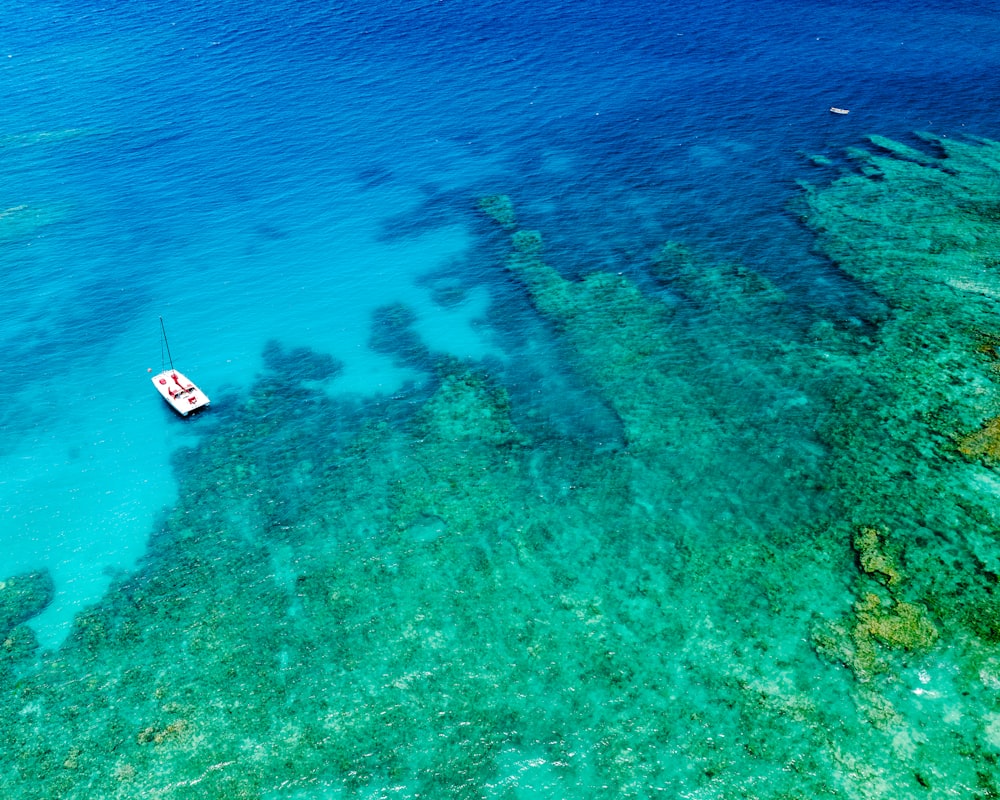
[571, 540]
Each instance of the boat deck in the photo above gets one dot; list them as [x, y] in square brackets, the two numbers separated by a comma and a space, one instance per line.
[179, 392]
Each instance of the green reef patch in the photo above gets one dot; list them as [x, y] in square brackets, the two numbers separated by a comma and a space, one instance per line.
[778, 580]
[21, 597]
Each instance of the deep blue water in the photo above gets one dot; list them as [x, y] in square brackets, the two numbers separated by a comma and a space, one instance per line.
[280, 170]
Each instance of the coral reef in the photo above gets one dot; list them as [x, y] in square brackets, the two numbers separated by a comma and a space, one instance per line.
[915, 226]
[903, 625]
[647, 359]
[313, 614]
[875, 560]
[983, 443]
[419, 596]
[856, 643]
[911, 441]
[19, 644]
[876, 622]
[500, 209]
[891, 622]
[393, 333]
[299, 363]
[23, 597]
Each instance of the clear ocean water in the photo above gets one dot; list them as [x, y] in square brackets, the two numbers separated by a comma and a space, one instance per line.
[285, 172]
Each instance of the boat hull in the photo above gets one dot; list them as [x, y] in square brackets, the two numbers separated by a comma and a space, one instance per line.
[180, 393]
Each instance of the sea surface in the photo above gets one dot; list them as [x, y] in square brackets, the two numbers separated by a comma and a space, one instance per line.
[275, 177]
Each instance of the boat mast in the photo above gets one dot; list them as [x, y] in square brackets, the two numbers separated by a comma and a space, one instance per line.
[164, 331]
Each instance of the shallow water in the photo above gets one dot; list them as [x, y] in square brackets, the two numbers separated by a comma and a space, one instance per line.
[532, 533]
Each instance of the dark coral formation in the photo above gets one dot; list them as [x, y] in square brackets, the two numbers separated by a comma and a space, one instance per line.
[500, 209]
[394, 333]
[23, 597]
[19, 644]
[295, 364]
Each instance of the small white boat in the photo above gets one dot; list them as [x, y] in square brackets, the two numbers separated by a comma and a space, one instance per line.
[179, 391]
[835, 110]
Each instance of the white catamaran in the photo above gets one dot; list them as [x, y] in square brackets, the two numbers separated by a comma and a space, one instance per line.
[180, 393]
